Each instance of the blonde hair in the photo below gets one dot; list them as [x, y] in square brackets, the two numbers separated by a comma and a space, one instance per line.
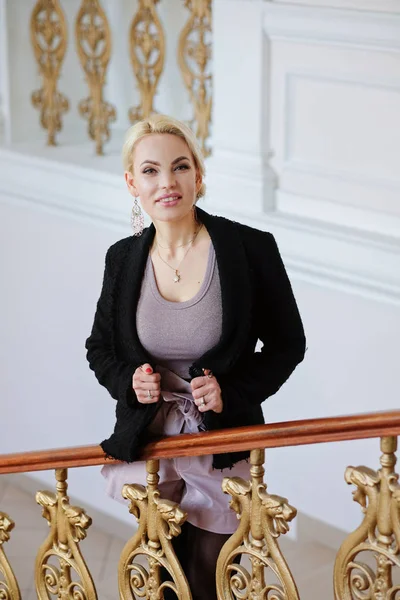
[163, 124]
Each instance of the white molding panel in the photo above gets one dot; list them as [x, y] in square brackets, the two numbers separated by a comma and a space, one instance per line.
[334, 100]
[325, 25]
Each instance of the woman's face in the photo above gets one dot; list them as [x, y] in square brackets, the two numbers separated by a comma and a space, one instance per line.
[164, 177]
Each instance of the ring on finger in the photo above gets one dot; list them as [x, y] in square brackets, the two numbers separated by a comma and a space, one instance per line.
[149, 394]
[203, 402]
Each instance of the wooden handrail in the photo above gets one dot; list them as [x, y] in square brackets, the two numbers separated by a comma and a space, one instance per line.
[274, 435]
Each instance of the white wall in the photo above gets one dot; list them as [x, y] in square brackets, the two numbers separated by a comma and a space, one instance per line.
[61, 208]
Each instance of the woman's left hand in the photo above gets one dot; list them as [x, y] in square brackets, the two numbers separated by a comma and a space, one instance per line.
[207, 393]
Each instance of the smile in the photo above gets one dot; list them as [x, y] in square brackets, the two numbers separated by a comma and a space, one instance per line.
[169, 200]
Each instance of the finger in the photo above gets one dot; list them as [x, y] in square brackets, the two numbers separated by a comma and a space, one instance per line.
[144, 386]
[208, 373]
[206, 390]
[144, 398]
[203, 400]
[154, 378]
[147, 400]
[198, 382]
[146, 368]
[205, 407]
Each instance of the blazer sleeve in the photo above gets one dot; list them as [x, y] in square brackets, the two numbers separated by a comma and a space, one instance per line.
[277, 325]
[111, 372]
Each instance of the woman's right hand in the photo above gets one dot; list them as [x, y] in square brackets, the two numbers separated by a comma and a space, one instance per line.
[143, 381]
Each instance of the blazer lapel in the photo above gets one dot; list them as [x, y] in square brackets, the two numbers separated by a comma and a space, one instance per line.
[128, 292]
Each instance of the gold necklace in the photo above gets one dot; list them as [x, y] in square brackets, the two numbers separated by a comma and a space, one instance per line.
[180, 245]
[177, 277]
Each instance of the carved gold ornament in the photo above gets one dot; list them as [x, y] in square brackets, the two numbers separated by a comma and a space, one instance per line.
[93, 41]
[9, 589]
[194, 56]
[147, 48]
[159, 521]
[263, 518]
[49, 41]
[69, 579]
[378, 493]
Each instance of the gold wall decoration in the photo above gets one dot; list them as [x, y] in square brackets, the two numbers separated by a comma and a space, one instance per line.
[378, 493]
[9, 589]
[93, 40]
[49, 40]
[263, 518]
[194, 56]
[147, 49]
[159, 521]
[70, 579]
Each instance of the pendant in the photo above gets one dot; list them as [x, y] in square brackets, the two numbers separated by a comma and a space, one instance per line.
[177, 277]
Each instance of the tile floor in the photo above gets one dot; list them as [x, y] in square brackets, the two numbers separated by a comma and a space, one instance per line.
[311, 564]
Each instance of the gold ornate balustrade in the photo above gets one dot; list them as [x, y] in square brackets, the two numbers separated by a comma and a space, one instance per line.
[147, 43]
[251, 564]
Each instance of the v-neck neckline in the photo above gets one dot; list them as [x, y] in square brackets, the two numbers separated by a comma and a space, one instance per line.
[205, 284]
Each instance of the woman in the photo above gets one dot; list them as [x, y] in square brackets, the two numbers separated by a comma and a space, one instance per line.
[182, 307]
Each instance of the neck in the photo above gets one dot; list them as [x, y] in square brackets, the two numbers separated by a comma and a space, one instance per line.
[172, 234]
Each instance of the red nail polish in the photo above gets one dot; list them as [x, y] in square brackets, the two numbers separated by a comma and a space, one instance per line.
[148, 370]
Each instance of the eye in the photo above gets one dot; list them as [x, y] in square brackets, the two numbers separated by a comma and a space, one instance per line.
[183, 167]
[149, 170]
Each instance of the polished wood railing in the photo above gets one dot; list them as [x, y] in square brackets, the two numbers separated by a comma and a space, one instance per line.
[262, 518]
[275, 435]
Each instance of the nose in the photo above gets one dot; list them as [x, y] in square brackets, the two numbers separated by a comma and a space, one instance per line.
[168, 179]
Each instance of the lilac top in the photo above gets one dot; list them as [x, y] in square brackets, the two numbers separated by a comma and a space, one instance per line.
[175, 334]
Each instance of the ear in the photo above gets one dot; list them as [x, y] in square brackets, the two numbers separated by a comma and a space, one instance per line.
[199, 181]
[131, 184]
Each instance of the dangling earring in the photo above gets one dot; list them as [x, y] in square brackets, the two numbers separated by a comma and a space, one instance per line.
[137, 219]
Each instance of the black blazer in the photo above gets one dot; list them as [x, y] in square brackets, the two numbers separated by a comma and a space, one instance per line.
[257, 303]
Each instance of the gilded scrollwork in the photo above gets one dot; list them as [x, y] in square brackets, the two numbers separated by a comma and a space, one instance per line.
[70, 578]
[194, 57]
[378, 494]
[93, 40]
[263, 517]
[9, 589]
[49, 41]
[158, 522]
[147, 49]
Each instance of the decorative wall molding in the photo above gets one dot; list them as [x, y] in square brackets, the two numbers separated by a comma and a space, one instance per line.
[339, 214]
[388, 6]
[348, 83]
[334, 119]
[89, 195]
[323, 254]
[332, 25]
[335, 257]
[248, 177]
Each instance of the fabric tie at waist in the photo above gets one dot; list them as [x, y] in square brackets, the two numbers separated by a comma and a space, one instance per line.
[179, 412]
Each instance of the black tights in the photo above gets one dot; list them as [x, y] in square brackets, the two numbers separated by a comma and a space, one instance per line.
[197, 551]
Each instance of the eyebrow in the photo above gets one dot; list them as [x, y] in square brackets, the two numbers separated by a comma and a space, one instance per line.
[153, 162]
